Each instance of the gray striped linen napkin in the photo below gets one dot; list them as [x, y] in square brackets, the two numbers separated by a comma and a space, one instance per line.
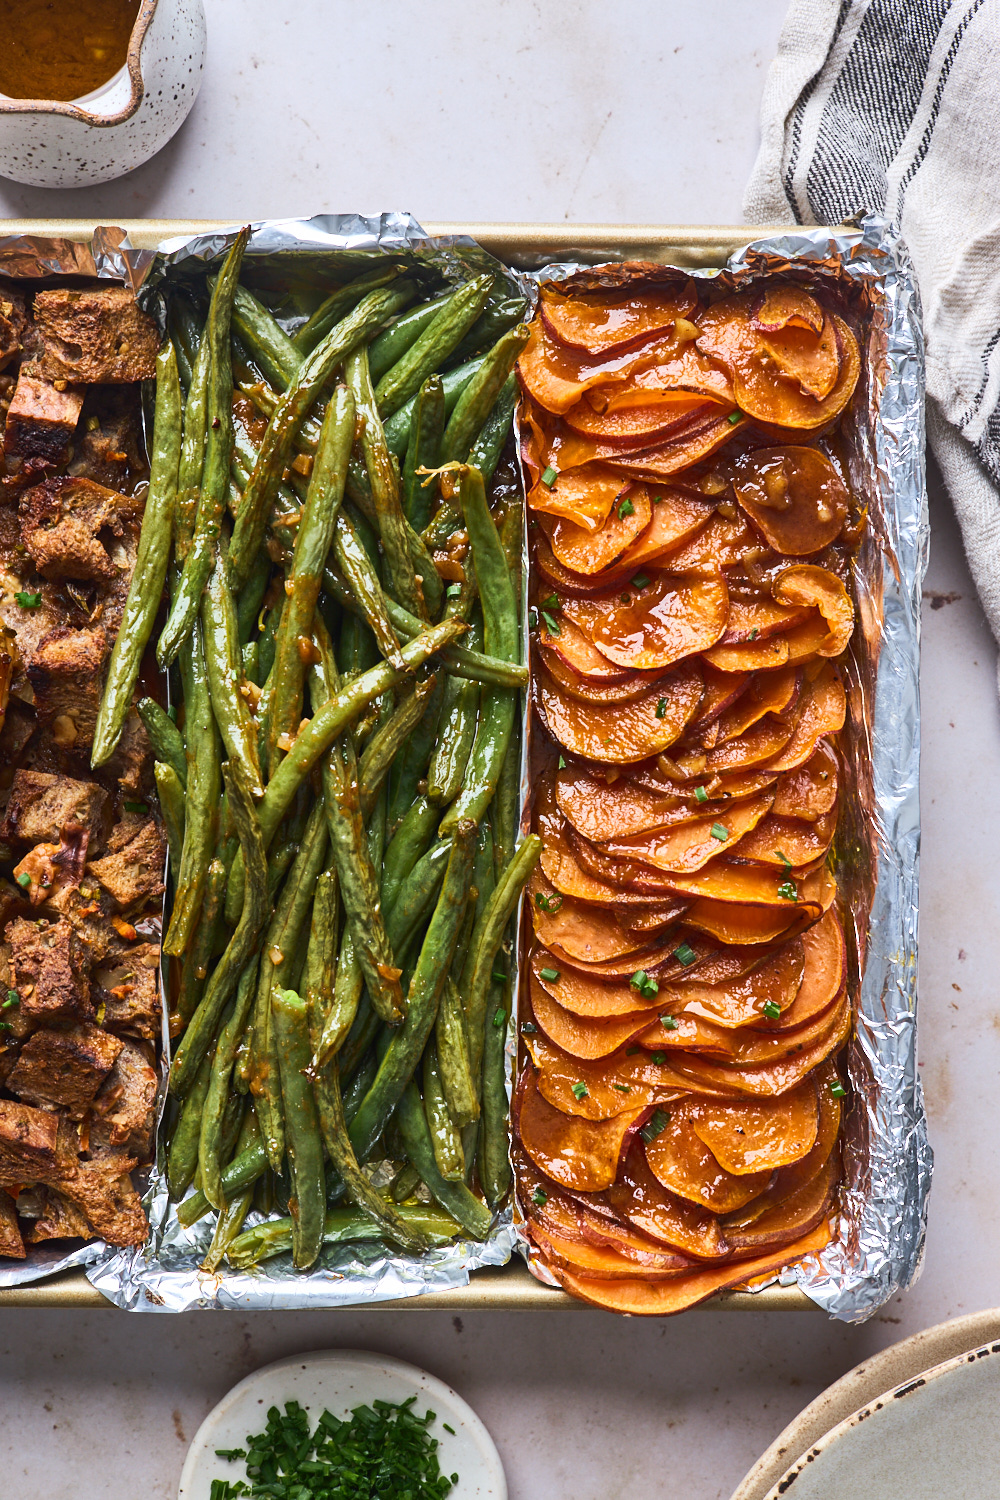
[893, 106]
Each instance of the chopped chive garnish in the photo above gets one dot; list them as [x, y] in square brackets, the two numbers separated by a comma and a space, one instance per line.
[172, 712]
[655, 1125]
[784, 858]
[640, 581]
[500, 978]
[621, 1088]
[13, 998]
[625, 598]
[580, 1090]
[562, 762]
[532, 619]
[550, 974]
[539, 1196]
[552, 602]
[658, 1057]
[734, 417]
[754, 633]
[787, 891]
[719, 831]
[685, 954]
[499, 1017]
[837, 1090]
[668, 1023]
[551, 623]
[548, 903]
[550, 476]
[657, 499]
[528, 1028]
[28, 601]
[453, 591]
[448, 1429]
[771, 1011]
[24, 880]
[631, 1051]
[136, 807]
[645, 984]
[700, 794]
[626, 509]
[661, 709]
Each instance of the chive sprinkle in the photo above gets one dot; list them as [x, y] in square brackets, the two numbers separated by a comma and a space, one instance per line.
[539, 1196]
[13, 998]
[655, 1125]
[499, 1017]
[661, 709]
[734, 417]
[754, 633]
[528, 1028]
[719, 831]
[640, 581]
[28, 601]
[551, 623]
[784, 858]
[548, 903]
[658, 1057]
[498, 977]
[787, 891]
[384, 1449]
[632, 1051]
[685, 954]
[24, 880]
[550, 974]
[626, 509]
[580, 1090]
[625, 598]
[771, 1011]
[562, 762]
[837, 1089]
[550, 476]
[453, 591]
[621, 1088]
[136, 807]
[668, 1023]
[645, 984]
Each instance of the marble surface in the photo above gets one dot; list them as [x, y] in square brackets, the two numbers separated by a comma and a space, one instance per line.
[510, 111]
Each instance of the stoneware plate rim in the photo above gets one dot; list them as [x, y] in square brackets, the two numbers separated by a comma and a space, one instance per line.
[481, 1475]
[916, 1386]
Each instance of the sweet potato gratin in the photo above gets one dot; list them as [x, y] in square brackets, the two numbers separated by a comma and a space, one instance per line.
[678, 1102]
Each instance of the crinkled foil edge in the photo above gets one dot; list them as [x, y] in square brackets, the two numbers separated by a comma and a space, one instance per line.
[164, 1275]
[881, 1224]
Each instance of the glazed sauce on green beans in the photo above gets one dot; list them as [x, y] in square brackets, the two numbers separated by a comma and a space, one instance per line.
[62, 49]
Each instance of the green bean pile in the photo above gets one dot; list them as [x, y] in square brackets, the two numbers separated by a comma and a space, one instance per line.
[340, 789]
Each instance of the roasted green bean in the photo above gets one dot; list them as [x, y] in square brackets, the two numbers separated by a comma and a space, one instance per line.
[474, 1217]
[304, 1142]
[445, 1139]
[165, 738]
[430, 350]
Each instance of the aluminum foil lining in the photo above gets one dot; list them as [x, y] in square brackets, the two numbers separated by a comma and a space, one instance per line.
[164, 1275]
[880, 1231]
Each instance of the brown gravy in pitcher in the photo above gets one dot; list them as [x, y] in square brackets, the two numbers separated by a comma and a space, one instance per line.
[62, 49]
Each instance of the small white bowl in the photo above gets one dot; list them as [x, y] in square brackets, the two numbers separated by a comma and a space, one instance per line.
[48, 143]
[338, 1380]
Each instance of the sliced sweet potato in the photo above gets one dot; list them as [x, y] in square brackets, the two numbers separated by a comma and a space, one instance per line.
[690, 845]
[570, 878]
[821, 710]
[742, 884]
[791, 1215]
[756, 619]
[620, 734]
[737, 1046]
[603, 1228]
[654, 778]
[740, 925]
[771, 693]
[620, 688]
[575, 927]
[697, 442]
[601, 1262]
[824, 968]
[604, 1089]
[721, 690]
[629, 875]
[625, 807]
[804, 640]
[584, 550]
[681, 1161]
[652, 627]
[750, 656]
[662, 1298]
[784, 841]
[658, 954]
[576, 1153]
[677, 517]
[783, 305]
[758, 1135]
[721, 543]
[788, 1180]
[794, 496]
[597, 323]
[807, 585]
[775, 981]
[810, 790]
[686, 371]
[556, 377]
[584, 995]
[584, 496]
[586, 1039]
[581, 656]
[766, 1079]
[634, 426]
[811, 360]
[759, 746]
[646, 1203]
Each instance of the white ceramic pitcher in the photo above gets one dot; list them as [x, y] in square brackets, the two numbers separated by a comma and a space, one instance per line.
[46, 143]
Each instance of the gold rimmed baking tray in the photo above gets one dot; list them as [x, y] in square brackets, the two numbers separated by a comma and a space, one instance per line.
[512, 1288]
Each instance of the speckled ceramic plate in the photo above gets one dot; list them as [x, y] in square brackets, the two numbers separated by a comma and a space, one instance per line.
[338, 1380]
[935, 1435]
